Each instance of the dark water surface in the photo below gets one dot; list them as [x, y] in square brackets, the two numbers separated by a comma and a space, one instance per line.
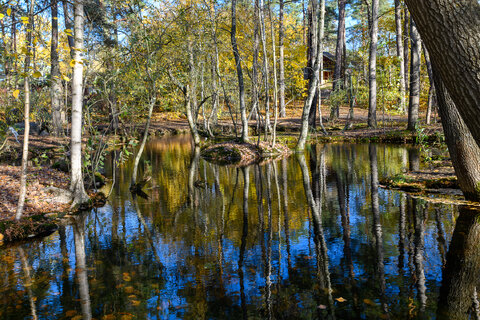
[302, 238]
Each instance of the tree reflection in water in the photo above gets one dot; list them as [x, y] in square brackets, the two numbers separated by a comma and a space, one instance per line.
[460, 277]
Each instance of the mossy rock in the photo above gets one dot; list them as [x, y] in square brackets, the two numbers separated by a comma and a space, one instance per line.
[222, 154]
[442, 183]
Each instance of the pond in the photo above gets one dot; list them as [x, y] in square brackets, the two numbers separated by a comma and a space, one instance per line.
[305, 237]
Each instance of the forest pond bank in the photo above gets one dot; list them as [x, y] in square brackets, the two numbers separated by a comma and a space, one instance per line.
[218, 242]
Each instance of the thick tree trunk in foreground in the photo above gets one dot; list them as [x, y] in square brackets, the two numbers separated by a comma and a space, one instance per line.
[372, 67]
[462, 270]
[76, 183]
[281, 62]
[464, 152]
[399, 38]
[241, 85]
[23, 172]
[56, 81]
[414, 99]
[451, 33]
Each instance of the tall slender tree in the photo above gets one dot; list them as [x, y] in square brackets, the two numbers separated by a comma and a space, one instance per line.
[414, 100]
[55, 76]
[313, 84]
[400, 55]
[238, 63]
[76, 178]
[281, 59]
[338, 75]
[23, 172]
[372, 67]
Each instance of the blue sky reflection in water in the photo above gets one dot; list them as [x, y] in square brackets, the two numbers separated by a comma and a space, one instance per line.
[230, 243]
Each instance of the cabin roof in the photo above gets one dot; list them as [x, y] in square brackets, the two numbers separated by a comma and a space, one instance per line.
[328, 55]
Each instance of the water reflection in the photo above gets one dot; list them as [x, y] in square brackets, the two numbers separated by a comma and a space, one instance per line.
[311, 236]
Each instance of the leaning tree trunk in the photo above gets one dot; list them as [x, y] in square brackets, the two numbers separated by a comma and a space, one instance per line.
[372, 67]
[414, 99]
[312, 55]
[56, 80]
[241, 85]
[191, 95]
[281, 61]
[313, 84]
[451, 32]
[23, 173]
[399, 38]
[76, 184]
[464, 152]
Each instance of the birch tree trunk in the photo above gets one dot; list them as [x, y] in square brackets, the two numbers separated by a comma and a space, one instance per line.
[263, 37]
[313, 85]
[400, 55]
[281, 62]
[414, 78]
[23, 173]
[56, 81]
[238, 63]
[372, 67]
[76, 184]
[275, 83]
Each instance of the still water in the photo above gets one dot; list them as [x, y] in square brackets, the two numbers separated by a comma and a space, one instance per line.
[307, 237]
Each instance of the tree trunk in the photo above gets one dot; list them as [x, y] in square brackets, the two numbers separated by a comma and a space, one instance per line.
[241, 86]
[256, 43]
[133, 182]
[266, 80]
[23, 173]
[399, 38]
[339, 49]
[451, 32]
[464, 152]
[56, 81]
[76, 183]
[191, 95]
[414, 99]
[372, 67]
[312, 56]
[313, 84]
[431, 90]
[275, 83]
[281, 62]
[69, 25]
[406, 41]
